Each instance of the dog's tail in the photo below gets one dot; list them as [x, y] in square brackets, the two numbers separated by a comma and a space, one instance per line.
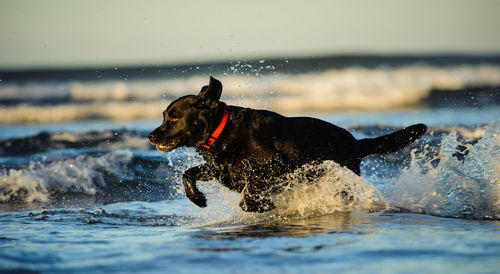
[391, 142]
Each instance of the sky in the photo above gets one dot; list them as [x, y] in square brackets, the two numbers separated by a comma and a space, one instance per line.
[66, 33]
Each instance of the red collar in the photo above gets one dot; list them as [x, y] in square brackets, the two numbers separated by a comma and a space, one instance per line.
[211, 140]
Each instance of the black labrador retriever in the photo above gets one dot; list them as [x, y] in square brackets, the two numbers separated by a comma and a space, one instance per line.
[248, 150]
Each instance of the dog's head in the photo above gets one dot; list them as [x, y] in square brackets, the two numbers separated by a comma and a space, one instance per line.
[188, 120]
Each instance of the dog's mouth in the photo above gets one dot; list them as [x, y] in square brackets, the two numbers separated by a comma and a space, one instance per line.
[165, 148]
[166, 145]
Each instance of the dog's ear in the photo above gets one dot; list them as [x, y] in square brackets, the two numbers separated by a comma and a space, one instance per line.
[211, 92]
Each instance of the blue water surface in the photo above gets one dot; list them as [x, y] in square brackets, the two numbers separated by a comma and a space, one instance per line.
[151, 237]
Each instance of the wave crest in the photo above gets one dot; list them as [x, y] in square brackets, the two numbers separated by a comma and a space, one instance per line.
[82, 175]
[353, 88]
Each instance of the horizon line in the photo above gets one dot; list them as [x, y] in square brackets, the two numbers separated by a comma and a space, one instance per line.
[249, 58]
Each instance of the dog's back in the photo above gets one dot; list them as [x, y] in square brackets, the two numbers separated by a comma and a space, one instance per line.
[304, 139]
[269, 136]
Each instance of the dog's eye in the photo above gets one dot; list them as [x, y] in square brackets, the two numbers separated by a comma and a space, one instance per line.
[173, 120]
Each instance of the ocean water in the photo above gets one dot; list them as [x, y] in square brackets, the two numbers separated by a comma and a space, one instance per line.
[81, 190]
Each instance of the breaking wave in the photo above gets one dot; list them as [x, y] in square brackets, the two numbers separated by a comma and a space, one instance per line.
[352, 88]
[82, 175]
[93, 177]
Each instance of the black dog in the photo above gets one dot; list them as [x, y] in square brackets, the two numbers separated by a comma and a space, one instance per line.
[248, 150]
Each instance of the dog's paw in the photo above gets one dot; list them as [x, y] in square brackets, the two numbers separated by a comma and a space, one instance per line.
[192, 192]
[198, 199]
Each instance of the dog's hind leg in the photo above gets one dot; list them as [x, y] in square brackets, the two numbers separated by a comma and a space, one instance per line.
[189, 178]
[355, 166]
[256, 204]
[255, 201]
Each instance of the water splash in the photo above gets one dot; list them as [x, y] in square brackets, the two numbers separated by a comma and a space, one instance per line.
[442, 179]
[337, 189]
[451, 184]
[310, 191]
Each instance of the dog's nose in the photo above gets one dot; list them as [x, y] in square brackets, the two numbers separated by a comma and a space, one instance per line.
[151, 136]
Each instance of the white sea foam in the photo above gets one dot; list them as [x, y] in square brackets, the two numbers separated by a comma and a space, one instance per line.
[72, 112]
[82, 175]
[353, 88]
[465, 132]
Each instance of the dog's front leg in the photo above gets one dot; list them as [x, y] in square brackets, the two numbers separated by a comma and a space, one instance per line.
[189, 178]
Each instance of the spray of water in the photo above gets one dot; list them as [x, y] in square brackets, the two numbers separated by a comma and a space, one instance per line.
[449, 185]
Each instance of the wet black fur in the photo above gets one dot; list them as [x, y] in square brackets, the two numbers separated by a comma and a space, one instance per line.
[257, 147]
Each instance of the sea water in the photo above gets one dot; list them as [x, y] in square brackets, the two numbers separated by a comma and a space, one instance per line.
[80, 194]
